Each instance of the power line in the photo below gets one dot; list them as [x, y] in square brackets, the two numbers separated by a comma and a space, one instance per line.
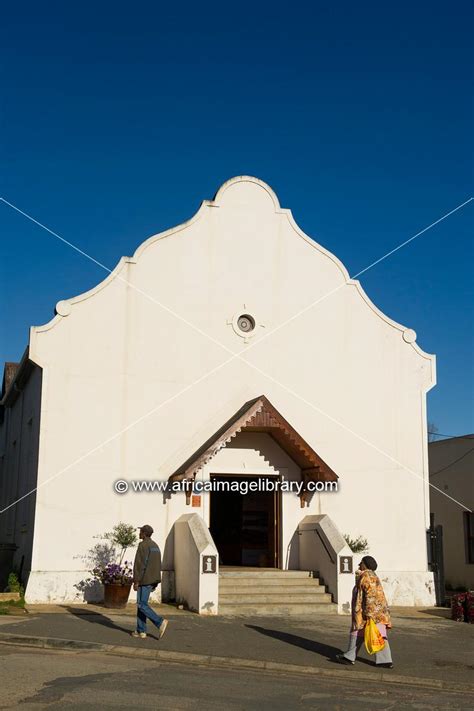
[438, 434]
[454, 462]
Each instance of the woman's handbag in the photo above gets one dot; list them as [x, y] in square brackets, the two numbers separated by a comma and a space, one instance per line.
[374, 642]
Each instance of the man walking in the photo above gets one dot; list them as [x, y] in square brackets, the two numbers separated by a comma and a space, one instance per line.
[146, 577]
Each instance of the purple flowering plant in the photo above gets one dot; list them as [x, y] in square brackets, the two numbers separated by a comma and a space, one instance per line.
[114, 573]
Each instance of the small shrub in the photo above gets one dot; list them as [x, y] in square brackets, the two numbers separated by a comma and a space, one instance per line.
[14, 585]
[357, 545]
[124, 536]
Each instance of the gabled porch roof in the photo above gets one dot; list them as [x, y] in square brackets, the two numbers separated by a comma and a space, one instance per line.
[259, 415]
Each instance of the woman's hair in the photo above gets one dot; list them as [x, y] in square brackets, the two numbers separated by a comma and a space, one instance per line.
[369, 562]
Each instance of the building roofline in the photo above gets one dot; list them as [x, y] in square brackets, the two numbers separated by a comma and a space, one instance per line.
[24, 370]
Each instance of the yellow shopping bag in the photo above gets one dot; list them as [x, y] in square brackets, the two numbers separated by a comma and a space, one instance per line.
[374, 642]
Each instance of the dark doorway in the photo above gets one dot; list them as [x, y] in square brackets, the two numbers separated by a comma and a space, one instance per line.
[245, 526]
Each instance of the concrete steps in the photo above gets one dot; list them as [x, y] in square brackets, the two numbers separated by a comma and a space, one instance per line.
[315, 597]
[273, 610]
[257, 579]
[271, 573]
[261, 589]
[270, 592]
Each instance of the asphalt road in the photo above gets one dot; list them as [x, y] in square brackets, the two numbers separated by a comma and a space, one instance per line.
[32, 680]
[430, 647]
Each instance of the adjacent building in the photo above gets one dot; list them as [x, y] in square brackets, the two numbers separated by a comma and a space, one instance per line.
[452, 494]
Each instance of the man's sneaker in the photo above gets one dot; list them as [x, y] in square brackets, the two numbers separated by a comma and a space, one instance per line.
[141, 635]
[162, 628]
[342, 659]
[385, 665]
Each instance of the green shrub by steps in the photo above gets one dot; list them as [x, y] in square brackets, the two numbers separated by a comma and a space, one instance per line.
[14, 585]
[9, 606]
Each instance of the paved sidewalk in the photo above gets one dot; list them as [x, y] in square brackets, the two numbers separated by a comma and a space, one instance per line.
[425, 644]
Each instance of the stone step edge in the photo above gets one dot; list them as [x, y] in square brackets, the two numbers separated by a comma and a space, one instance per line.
[317, 595]
[275, 605]
[270, 582]
[273, 589]
[265, 573]
[281, 594]
[309, 614]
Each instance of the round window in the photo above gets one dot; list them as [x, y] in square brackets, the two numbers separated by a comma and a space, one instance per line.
[246, 323]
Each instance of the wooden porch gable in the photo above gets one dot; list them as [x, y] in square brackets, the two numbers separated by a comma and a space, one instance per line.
[260, 415]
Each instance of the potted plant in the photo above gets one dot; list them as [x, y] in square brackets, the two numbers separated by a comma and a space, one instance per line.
[117, 578]
[117, 581]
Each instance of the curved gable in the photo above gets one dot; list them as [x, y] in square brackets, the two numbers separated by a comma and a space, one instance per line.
[243, 197]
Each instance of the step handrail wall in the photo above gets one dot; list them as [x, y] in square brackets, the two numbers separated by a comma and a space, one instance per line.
[196, 565]
[322, 549]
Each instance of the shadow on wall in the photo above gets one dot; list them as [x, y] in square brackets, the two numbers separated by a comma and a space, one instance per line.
[293, 552]
[92, 590]
[168, 589]
[99, 555]
[265, 448]
[208, 608]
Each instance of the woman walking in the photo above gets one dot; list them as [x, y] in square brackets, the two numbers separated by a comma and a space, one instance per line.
[368, 602]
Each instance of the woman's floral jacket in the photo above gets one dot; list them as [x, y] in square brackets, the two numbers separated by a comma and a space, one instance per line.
[369, 601]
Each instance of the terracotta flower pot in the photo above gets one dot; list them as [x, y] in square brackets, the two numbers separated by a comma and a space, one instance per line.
[116, 595]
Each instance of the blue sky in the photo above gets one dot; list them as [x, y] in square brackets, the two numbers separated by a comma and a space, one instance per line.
[118, 119]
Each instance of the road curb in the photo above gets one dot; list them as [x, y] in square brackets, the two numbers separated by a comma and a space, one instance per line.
[205, 660]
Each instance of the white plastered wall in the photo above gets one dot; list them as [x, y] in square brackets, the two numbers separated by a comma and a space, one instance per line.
[115, 361]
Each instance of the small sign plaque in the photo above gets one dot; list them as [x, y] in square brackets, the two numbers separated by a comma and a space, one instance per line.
[209, 564]
[345, 564]
[196, 500]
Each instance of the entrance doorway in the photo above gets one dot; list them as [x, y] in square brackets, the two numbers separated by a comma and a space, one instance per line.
[244, 527]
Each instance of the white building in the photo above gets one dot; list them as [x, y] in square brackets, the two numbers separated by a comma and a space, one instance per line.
[160, 371]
